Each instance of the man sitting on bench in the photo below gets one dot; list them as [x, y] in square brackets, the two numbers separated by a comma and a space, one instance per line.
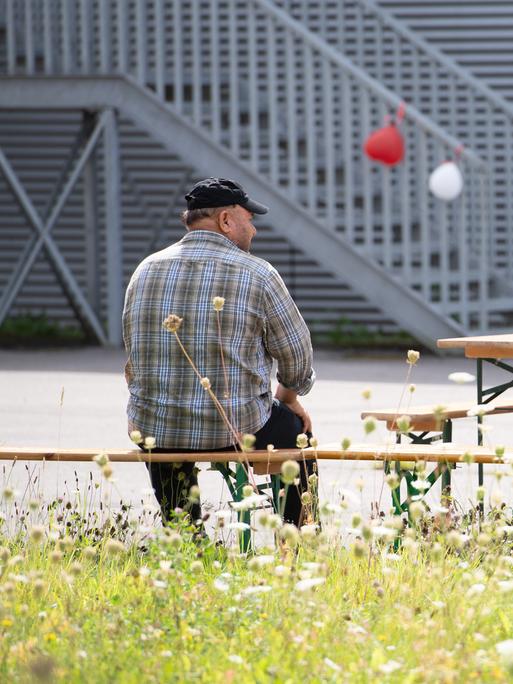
[259, 322]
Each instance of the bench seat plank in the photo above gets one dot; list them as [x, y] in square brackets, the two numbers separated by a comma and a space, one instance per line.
[449, 453]
[423, 417]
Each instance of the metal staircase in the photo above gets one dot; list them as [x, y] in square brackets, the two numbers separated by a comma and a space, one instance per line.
[242, 89]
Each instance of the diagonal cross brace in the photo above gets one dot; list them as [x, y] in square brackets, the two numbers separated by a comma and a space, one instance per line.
[44, 239]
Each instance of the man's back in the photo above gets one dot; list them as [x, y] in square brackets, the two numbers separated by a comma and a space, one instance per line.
[258, 322]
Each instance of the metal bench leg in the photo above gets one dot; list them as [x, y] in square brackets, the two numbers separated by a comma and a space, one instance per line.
[241, 479]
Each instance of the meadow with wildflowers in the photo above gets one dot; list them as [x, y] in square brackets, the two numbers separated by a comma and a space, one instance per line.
[94, 593]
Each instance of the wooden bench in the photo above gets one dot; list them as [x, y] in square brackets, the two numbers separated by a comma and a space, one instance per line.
[429, 420]
[433, 417]
[443, 456]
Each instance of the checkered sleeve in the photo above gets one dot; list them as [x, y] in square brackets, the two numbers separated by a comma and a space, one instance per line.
[287, 337]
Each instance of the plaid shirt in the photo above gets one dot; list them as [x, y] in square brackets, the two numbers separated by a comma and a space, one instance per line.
[259, 323]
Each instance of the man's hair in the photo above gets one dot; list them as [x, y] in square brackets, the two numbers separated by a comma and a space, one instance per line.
[192, 216]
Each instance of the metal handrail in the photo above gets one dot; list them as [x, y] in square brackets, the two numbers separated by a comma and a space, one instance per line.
[449, 64]
[372, 84]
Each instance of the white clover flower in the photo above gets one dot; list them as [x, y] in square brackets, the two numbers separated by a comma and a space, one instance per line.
[421, 485]
[282, 571]
[249, 502]
[475, 590]
[233, 657]
[349, 496]
[390, 666]
[261, 561]
[461, 378]
[258, 589]
[239, 526]
[310, 583]
[223, 514]
[220, 585]
[308, 530]
[505, 650]
[333, 666]
[387, 533]
[480, 410]
[505, 586]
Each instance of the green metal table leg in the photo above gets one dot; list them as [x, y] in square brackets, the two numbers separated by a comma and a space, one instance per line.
[480, 470]
[446, 467]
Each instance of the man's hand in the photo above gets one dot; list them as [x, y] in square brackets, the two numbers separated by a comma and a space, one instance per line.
[289, 398]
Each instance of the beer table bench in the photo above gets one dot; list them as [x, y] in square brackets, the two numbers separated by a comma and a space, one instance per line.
[235, 466]
[490, 349]
[429, 420]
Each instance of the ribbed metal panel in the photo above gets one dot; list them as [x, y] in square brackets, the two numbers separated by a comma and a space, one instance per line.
[477, 34]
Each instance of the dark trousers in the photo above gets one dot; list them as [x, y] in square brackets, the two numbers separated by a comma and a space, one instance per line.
[172, 481]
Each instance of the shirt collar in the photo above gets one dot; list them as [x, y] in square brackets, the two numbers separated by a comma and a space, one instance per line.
[208, 236]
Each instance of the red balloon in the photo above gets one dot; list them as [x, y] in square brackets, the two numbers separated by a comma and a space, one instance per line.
[385, 145]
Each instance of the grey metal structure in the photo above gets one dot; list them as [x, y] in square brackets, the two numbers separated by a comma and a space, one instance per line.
[447, 77]
[242, 88]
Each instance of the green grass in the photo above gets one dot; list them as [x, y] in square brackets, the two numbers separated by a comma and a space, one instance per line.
[38, 331]
[184, 611]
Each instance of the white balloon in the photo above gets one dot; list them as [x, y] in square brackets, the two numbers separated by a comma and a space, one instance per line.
[446, 181]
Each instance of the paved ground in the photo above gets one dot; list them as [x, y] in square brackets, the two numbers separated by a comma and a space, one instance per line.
[77, 398]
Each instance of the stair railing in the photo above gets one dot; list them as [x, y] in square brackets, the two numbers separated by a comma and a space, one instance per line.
[435, 84]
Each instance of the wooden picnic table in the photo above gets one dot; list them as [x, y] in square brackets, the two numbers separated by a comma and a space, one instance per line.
[491, 349]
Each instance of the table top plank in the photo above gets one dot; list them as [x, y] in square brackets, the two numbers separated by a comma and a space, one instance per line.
[444, 410]
[481, 346]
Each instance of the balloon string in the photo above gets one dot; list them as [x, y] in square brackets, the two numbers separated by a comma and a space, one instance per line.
[401, 111]
[458, 152]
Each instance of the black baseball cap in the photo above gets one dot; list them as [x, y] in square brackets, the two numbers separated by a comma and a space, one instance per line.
[221, 192]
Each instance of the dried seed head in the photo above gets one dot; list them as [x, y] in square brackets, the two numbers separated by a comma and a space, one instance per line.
[369, 425]
[403, 424]
[101, 459]
[248, 442]
[301, 441]
[289, 471]
[113, 547]
[290, 534]
[172, 323]
[36, 533]
[218, 303]
[107, 471]
[205, 383]
[412, 357]
[136, 437]
[150, 443]
[247, 490]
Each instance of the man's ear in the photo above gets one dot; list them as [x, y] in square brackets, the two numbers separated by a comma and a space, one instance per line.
[223, 221]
